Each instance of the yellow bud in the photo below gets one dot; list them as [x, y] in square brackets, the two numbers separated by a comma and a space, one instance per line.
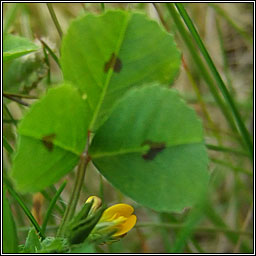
[96, 203]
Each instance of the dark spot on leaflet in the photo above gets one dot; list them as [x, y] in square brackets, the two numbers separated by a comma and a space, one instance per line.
[48, 141]
[115, 63]
[155, 148]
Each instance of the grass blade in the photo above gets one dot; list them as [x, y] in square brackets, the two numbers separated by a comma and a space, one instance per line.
[25, 209]
[229, 100]
[52, 204]
[199, 63]
[54, 18]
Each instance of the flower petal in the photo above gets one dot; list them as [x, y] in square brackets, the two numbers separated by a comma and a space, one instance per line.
[121, 210]
[128, 225]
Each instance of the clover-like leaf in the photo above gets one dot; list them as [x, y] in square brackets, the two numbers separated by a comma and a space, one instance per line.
[106, 55]
[52, 136]
[152, 149]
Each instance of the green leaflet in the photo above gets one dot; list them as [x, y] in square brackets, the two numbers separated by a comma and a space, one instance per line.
[53, 134]
[16, 46]
[104, 56]
[151, 148]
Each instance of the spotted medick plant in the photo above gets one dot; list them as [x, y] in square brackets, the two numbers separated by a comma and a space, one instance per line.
[114, 109]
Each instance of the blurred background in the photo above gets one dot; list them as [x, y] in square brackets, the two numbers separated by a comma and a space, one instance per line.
[226, 226]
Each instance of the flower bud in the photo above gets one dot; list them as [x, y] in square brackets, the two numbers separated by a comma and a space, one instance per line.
[96, 203]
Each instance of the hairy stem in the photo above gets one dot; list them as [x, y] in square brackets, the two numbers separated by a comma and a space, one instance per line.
[71, 207]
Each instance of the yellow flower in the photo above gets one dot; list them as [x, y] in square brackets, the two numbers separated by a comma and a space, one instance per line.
[118, 217]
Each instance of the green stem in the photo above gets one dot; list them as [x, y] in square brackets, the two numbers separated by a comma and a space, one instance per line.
[243, 130]
[52, 204]
[54, 18]
[25, 209]
[71, 207]
[70, 210]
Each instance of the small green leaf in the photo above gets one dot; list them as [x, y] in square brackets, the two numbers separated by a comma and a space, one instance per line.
[32, 242]
[54, 245]
[152, 149]
[16, 46]
[104, 56]
[52, 136]
[10, 239]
